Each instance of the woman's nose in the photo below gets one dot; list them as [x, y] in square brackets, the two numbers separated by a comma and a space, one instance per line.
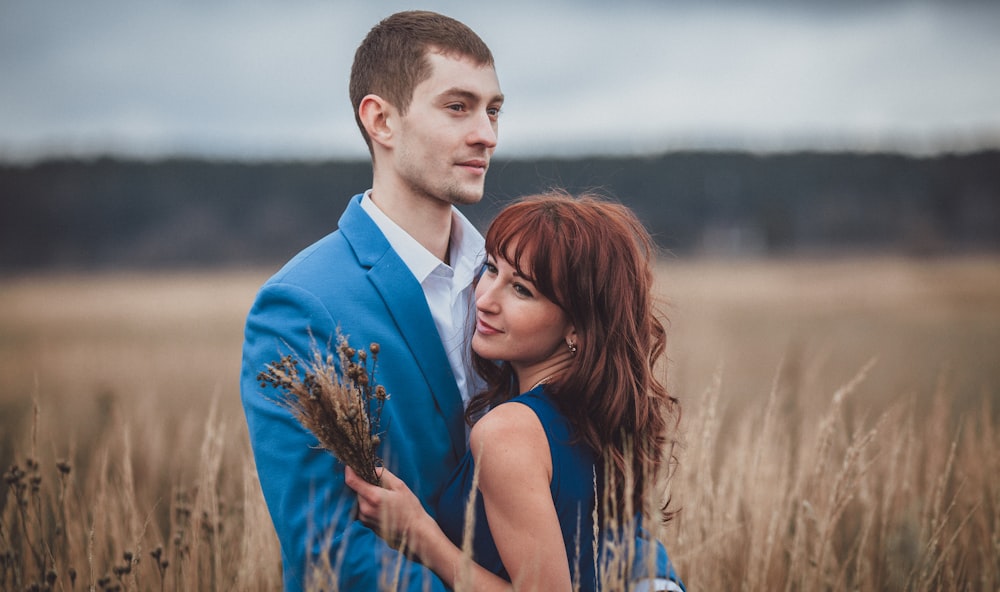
[485, 298]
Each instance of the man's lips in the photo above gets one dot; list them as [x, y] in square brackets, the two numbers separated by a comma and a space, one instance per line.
[476, 164]
[486, 328]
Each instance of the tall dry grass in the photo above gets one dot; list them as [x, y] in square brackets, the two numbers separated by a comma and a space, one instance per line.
[840, 429]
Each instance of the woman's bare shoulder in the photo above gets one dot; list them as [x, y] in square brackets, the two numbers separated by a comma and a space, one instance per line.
[512, 427]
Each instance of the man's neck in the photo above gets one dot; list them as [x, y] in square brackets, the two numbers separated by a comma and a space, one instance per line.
[427, 221]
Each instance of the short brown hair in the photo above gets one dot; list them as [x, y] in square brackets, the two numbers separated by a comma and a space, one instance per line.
[391, 61]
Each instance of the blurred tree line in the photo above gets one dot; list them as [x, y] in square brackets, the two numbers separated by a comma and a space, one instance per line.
[111, 213]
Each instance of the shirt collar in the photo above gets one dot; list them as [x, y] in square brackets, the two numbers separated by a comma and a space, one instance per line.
[466, 245]
[468, 248]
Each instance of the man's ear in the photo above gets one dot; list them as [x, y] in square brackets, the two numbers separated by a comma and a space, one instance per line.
[378, 117]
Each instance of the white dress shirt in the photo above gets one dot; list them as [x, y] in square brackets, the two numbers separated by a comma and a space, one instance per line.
[447, 288]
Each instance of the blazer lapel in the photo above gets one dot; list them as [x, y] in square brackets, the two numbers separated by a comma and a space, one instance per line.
[405, 301]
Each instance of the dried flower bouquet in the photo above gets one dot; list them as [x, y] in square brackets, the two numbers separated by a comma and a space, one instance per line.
[343, 410]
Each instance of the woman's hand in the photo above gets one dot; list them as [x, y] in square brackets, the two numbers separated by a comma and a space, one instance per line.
[392, 510]
[396, 515]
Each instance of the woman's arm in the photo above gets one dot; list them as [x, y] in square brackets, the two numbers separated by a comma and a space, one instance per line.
[396, 515]
[515, 475]
[515, 472]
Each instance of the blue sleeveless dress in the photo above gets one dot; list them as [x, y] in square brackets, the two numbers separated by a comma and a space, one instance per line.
[572, 490]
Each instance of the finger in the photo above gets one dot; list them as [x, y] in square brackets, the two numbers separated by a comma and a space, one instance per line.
[364, 490]
[389, 480]
[351, 479]
[366, 511]
[369, 509]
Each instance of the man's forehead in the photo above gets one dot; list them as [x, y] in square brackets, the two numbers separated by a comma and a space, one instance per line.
[439, 59]
[461, 75]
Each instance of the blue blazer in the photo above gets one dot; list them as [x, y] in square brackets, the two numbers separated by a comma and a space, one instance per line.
[351, 279]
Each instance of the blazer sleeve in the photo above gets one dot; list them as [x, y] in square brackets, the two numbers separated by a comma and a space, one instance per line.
[303, 485]
[651, 566]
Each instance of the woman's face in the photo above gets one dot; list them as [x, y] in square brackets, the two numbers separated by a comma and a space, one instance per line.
[515, 322]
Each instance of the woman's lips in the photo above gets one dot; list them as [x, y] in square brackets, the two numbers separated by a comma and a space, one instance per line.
[486, 328]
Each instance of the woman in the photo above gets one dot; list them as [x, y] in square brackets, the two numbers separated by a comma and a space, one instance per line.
[567, 340]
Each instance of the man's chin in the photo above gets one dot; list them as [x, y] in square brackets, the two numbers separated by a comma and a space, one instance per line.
[468, 197]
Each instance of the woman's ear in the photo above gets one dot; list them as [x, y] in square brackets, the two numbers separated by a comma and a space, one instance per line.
[572, 339]
[377, 115]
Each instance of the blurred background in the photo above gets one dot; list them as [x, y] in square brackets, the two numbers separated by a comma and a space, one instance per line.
[823, 179]
[193, 134]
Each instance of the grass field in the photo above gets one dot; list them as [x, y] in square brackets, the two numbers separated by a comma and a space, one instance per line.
[840, 427]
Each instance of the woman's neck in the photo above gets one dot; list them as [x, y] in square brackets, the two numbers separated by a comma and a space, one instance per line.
[529, 377]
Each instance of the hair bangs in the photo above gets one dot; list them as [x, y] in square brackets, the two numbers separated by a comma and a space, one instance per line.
[530, 239]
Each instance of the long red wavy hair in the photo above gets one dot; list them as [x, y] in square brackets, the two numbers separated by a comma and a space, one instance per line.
[593, 258]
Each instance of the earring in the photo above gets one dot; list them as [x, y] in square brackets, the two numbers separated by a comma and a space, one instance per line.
[572, 347]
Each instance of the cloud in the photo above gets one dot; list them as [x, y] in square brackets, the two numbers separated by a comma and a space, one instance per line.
[745, 75]
[264, 79]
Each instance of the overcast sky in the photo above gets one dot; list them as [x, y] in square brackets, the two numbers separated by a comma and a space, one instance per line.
[265, 79]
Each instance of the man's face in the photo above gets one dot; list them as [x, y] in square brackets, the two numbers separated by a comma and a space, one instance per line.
[444, 143]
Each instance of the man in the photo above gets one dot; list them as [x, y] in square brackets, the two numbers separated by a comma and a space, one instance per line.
[397, 272]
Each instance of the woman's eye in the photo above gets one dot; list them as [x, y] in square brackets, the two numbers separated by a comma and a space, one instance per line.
[490, 268]
[522, 290]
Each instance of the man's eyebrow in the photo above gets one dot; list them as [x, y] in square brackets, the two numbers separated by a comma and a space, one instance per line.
[468, 95]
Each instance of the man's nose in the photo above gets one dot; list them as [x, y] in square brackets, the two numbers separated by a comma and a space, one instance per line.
[484, 131]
